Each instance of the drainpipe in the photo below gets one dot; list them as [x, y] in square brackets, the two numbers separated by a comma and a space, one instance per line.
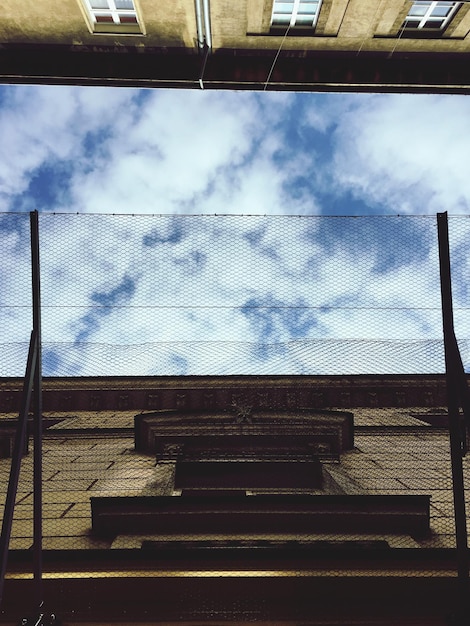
[207, 23]
[199, 24]
[204, 35]
[203, 24]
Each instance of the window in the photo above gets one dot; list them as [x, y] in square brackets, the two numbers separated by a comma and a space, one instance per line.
[425, 14]
[113, 16]
[295, 13]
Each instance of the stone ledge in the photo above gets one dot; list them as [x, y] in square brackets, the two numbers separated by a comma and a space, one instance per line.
[192, 515]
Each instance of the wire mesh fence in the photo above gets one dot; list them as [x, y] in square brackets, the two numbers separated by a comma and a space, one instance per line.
[340, 321]
[172, 295]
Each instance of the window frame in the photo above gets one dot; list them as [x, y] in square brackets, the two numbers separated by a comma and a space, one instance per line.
[292, 25]
[427, 18]
[116, 26]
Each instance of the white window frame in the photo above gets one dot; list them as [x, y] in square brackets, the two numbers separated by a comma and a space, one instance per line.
[293, 16]
[116, 26]
[428, 16]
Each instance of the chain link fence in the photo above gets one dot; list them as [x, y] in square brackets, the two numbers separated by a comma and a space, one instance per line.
[273, 296]
[172, 295]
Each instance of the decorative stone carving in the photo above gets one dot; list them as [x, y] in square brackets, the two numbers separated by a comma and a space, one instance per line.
[95, 402]
[208, 400]
[400, 398]
[243, 413]
[428, 397]
[123, 402]
[372, 398]
[181, 400]
[263, 399]
[153, 400]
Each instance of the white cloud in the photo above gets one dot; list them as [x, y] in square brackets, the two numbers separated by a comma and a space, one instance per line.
[408, 154]
[148, 152]
[193, 152]
[44, 125]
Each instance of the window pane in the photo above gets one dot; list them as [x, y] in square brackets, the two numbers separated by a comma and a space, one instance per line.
[435, 24]
[417, 10]
[284, 7]
[104, 18]
[308, 7]
[125, 4]
[99, 4]
[304, 20]
[127, 19]
[411, 23]
[280, 20]
[441, 11]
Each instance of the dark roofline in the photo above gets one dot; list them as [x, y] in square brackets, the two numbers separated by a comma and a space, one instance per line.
[236, 69]
[211, 392]
[202, 380]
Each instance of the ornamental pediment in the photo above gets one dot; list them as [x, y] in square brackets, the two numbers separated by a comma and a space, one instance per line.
[305, 429]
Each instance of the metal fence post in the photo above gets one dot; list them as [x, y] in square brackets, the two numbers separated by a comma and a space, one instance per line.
[18, 450]
[456, 397]
[37, 402]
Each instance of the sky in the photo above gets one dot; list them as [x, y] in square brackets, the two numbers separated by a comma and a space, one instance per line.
[210, 232]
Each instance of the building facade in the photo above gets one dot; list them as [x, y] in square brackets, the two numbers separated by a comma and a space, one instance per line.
[238, 499]
[370, 45]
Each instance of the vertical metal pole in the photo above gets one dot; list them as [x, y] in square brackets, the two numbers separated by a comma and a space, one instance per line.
[37, 479]
[18, 450]
[464, 397]
[453, 392]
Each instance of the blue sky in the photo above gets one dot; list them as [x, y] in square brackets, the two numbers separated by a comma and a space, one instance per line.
[171, 292]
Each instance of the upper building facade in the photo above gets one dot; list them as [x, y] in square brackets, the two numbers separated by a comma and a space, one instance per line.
[369, 45]
[212, 500]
